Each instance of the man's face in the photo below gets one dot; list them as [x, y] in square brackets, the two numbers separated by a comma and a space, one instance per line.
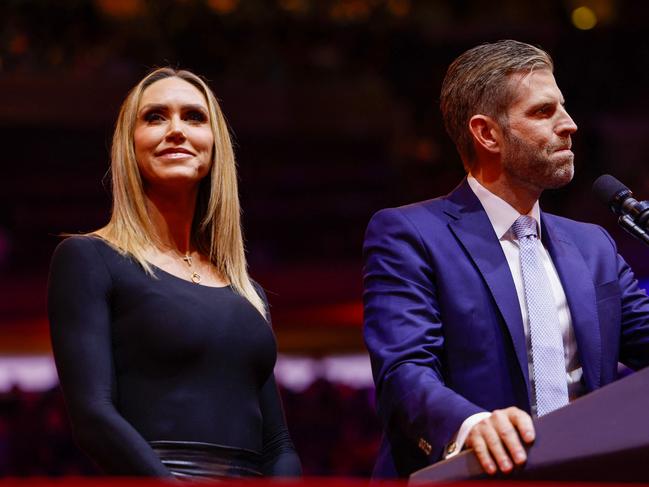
[536, 149]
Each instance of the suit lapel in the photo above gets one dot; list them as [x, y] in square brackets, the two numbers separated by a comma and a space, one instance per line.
[580, 294]
[473, 229]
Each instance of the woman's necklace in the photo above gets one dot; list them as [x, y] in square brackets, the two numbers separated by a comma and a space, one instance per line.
[196, 277]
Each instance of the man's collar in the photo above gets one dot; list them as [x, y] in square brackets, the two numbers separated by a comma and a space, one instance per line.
[501, 214]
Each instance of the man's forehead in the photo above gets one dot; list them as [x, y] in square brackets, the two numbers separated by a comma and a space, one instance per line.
[532, 84]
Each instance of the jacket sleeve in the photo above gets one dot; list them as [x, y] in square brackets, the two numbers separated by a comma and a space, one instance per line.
[404, 333]
[634, 340]
[80, 325]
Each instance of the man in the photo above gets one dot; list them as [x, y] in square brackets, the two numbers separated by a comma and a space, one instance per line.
[481, 311]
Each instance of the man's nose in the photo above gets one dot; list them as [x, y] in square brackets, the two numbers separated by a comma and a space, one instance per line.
[566, 125]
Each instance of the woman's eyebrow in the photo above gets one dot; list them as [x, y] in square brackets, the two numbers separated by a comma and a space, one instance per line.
[200, 108]
[153, 106]
[162, 106]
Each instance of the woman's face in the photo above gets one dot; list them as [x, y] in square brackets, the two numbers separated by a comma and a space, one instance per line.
[173, 139]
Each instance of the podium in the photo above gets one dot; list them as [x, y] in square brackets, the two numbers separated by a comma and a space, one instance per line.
[603, 436]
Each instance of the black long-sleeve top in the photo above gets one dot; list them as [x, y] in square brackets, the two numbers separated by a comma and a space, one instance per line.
[143, 358]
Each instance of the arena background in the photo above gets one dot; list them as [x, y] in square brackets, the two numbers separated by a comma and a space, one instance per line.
[334, 109]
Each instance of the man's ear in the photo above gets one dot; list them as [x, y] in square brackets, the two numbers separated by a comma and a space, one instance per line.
[486, 133]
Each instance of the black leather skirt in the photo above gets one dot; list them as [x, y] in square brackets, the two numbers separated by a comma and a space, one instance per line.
[195, 460]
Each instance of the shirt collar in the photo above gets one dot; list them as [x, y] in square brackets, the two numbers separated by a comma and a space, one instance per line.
[501, 214]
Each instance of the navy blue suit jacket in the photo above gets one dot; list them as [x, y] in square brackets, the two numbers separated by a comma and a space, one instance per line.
[443, 324]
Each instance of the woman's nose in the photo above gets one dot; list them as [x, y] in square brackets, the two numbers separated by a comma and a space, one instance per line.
[176, 131]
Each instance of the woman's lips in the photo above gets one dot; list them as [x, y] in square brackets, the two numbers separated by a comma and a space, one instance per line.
[175, 153]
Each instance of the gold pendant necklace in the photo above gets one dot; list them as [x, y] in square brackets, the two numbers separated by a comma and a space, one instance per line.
[196, 278]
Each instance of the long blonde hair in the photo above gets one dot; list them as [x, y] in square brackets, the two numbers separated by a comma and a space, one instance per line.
[216, 229]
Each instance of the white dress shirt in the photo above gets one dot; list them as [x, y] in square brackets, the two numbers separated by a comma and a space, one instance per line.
[502, 216]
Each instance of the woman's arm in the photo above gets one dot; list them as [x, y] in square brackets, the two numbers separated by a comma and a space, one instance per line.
[80, 325]
[279, 456]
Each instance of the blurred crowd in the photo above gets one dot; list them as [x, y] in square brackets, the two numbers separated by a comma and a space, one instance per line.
[333, 104]
[35, 436]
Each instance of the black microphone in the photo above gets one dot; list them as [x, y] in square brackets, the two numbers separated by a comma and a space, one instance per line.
[633, 214]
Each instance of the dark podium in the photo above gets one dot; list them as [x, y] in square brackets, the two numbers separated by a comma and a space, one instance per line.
[603, 436]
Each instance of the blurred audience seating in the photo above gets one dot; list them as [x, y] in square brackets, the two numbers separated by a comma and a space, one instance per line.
[35, 437]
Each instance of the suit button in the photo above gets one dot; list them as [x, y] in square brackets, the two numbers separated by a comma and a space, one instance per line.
[425, 446]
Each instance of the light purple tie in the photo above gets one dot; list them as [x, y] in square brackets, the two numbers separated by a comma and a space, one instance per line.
[548, 362]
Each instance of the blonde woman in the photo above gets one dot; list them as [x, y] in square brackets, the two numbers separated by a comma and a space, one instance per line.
[162, 342]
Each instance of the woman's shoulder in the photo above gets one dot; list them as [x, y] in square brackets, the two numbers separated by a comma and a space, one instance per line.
[84, 249]
[84, 261]
[82, 244]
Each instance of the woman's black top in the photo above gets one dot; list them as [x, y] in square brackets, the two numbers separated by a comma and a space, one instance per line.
[156, 358]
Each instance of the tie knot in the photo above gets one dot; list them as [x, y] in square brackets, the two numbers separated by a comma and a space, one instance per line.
[524, 226]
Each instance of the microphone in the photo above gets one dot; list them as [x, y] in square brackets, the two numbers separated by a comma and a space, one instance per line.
[633, 214]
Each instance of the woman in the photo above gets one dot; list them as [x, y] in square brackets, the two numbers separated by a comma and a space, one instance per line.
[162, 342]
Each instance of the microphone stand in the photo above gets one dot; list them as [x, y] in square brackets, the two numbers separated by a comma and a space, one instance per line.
[626, 222]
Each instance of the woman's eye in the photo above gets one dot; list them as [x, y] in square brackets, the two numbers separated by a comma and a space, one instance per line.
[196, 116]
[153, 117]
